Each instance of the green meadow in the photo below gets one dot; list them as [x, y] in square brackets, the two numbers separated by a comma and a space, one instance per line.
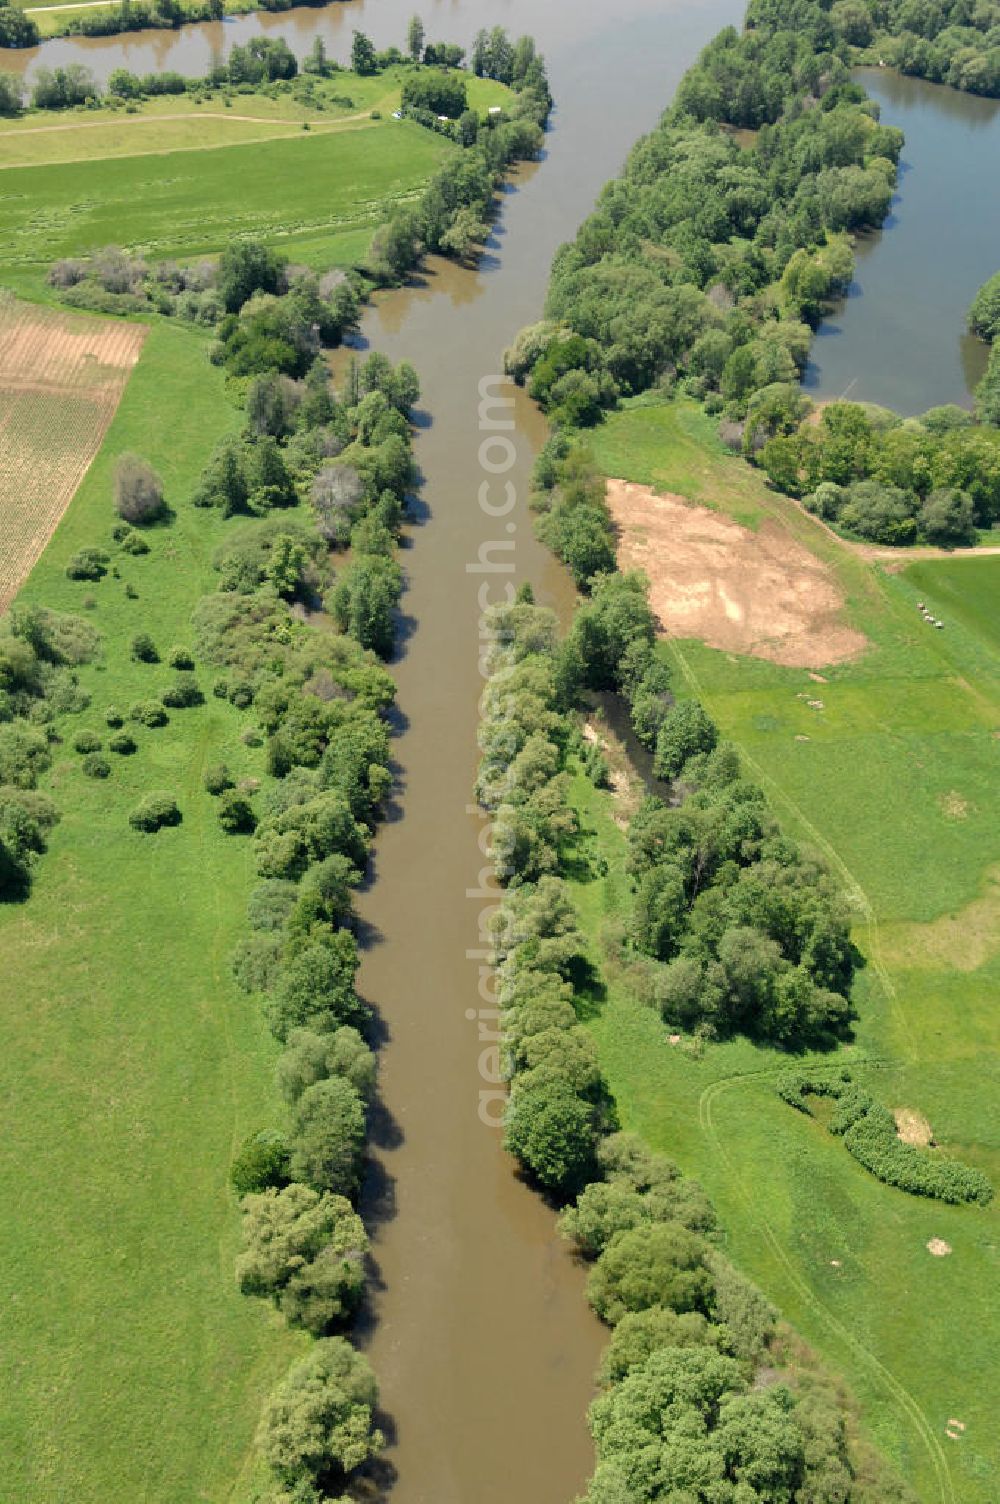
[316, 195]
[892, 775]
[130, 1065]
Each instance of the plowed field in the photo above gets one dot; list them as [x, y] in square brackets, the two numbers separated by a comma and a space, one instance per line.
[61, 378]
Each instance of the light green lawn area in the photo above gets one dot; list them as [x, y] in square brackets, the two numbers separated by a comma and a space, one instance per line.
[129, 1065]
[305, 195]
[896, 785]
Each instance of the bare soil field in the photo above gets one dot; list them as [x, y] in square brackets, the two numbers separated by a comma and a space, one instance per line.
[759, 592]
[61, 379]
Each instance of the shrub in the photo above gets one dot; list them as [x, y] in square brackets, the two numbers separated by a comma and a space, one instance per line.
[327, 1137]
[149, 713]
[123, 743]
[96, 766]
[183, 693]
[236, 814]
[318, 1425]
[143, 649]
[662, 1264]
[261, 1164]
[113, 716]
[306, 1251]
[869, 1133]
[131, 542]
[154, 811]
[88, 564]
[180, 657]
[551, 1131]
[217, 778]
[138, 490]
[87, 741]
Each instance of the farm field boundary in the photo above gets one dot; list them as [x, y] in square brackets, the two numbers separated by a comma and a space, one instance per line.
[61, 379]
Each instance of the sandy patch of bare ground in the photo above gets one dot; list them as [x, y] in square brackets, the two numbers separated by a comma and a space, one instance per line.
[760, 593]
[61, 379]
[912, 1127]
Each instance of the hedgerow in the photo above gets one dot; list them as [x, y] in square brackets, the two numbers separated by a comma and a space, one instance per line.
[678, 1397]
[869, 1133]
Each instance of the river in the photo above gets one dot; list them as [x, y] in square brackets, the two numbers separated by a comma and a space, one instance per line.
[479, 1329]
[899, 338]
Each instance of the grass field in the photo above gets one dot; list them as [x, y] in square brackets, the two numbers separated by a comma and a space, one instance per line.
[129, 1065]
[894, 779]
[305, 194]
[228, 117]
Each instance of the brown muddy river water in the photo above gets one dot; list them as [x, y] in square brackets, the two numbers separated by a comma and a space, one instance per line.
[479, 1331]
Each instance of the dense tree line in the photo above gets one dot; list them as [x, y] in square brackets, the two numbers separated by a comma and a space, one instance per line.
[452, 216]
[869, 1133]
[984, 321]
[40, 652]
[946, 41]
[750, 250]
[679, 1411]
[16, 28]
[315, 469]
[934, 479]
[748, 239]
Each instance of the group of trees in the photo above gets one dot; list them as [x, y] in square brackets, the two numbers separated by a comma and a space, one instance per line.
[984, 321]
[742, 930]
[451, 217]
[350, 456]
[933, 479]
[749, 240]
[750, 250]
[314, 467]
[40, 652]
[869, 1132]
[679, 1412]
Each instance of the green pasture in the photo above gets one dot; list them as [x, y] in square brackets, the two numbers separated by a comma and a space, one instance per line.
[310, 195]
[893, 777]
[129, 1065]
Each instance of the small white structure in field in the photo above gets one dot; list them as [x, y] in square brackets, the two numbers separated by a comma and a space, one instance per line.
[495, 110]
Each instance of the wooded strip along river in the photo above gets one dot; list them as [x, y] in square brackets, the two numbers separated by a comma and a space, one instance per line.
[479, 1331]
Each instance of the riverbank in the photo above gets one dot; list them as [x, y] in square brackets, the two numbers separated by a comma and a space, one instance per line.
[883, 763]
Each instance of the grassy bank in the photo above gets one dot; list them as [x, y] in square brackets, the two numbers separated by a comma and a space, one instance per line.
[889, 772]
[130, 1065]
[319, 196]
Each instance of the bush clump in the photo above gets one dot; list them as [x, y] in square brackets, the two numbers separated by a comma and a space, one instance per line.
[183, 693]
[217, 778]
[869, 1133]
[154, 811]
[149, 713]
[180, 657]
[87, 741]
[96, 766]
[143, 649]
[88, 564]
[123, 742]
[138, 491]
